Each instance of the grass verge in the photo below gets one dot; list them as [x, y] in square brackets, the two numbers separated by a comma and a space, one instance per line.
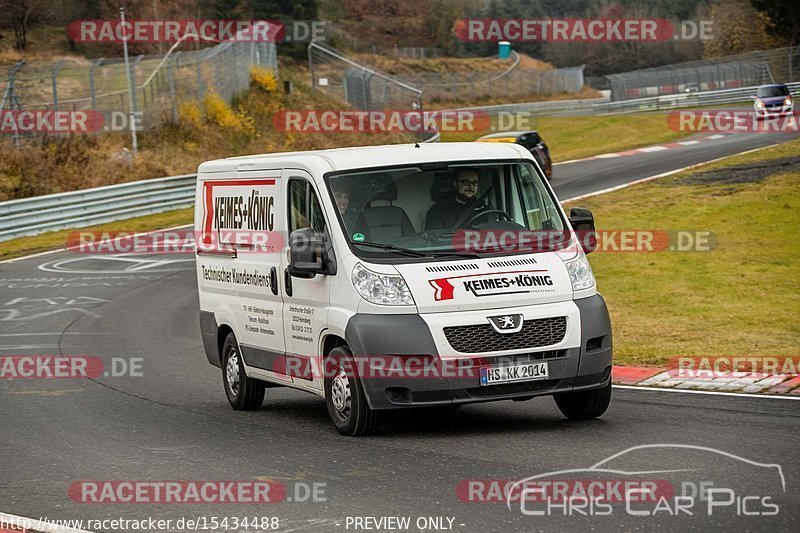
[584, 136]
[55, 240]
[738, 299]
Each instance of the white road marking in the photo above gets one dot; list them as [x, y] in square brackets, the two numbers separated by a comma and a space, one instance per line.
[648, 149]
[133, 264]
[62, 333]
[715, 393]
[28, 346]
[606, 156]
[567, 162]
[717, 136]
[16, 314]
[688, 143]
[48, 252]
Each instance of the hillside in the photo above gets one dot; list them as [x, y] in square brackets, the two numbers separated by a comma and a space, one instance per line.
[207, 129]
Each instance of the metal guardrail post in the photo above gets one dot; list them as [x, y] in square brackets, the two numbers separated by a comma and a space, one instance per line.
[95, 64]
[54, 80]
[311, 70]
[171, 80]
[217, 76]
[10, 98]
[199, 81]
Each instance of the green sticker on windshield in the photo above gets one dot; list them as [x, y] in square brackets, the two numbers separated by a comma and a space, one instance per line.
[358, 237]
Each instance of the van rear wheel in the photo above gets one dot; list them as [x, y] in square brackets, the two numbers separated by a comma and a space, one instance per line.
[244, 393]
[344, 395]
[584, 405]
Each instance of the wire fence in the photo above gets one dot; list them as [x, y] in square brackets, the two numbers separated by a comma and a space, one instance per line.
[160, 82]
[365, 88]
[780, 65]
[360, 86]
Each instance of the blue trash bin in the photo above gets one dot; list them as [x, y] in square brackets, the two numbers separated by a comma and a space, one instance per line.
[503, 49]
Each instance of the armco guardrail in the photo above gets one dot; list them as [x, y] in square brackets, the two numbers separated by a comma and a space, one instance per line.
[548, 106]
[31, 216]
[682, 100]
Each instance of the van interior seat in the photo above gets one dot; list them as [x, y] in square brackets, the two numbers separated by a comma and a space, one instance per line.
[385, 221]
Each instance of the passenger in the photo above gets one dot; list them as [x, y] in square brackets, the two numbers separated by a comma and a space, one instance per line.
[352, 217]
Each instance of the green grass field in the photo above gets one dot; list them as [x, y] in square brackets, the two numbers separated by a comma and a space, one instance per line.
[742, 297]
[57, 239]
[577, 137]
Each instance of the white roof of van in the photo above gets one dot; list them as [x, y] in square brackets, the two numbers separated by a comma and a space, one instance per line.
[370, 156]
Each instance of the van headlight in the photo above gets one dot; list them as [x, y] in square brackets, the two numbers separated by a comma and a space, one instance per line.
[759, 104]
[382, 289]
[787, 101]
[580, 272]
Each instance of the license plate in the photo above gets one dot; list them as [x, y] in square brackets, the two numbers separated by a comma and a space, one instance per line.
[509, 374]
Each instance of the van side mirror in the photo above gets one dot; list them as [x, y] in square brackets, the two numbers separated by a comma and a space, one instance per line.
[308, 255]
[582, 221]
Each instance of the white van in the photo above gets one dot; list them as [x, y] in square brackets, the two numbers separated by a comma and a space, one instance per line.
[394, 277]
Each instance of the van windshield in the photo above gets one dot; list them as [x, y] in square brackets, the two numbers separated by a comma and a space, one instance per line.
[443, 209]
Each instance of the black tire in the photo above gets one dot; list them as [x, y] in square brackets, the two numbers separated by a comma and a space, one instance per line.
[585, 404]
[244, 394]
[344, 396]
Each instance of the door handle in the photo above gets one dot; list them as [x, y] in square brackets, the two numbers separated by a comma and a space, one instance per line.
[287, 282]
[273, 280]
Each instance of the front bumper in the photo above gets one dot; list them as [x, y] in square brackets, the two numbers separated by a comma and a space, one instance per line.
[581, 367]
[775, 111]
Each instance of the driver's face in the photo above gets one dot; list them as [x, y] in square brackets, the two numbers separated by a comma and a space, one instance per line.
[467, 186]
[342, 201]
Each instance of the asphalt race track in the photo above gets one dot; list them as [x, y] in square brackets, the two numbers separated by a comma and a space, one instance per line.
[572, 179]
[171, 421]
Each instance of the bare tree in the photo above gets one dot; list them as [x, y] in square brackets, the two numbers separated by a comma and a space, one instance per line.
[19, 14]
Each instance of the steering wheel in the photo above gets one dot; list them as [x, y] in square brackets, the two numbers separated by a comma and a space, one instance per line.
[482, 214]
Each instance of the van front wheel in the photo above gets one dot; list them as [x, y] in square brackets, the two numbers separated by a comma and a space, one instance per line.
[585, 404]
[344, 395]
[244, 393]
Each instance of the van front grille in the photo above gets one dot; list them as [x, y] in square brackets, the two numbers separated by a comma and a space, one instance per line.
[482, 338]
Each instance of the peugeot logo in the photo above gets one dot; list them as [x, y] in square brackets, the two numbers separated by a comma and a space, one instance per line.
[506, 323]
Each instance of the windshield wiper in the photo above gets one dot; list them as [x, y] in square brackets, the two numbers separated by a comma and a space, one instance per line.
[391, 248]
[416, 253]
[466, 255]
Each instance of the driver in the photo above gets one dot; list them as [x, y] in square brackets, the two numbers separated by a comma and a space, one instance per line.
[462, 207]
